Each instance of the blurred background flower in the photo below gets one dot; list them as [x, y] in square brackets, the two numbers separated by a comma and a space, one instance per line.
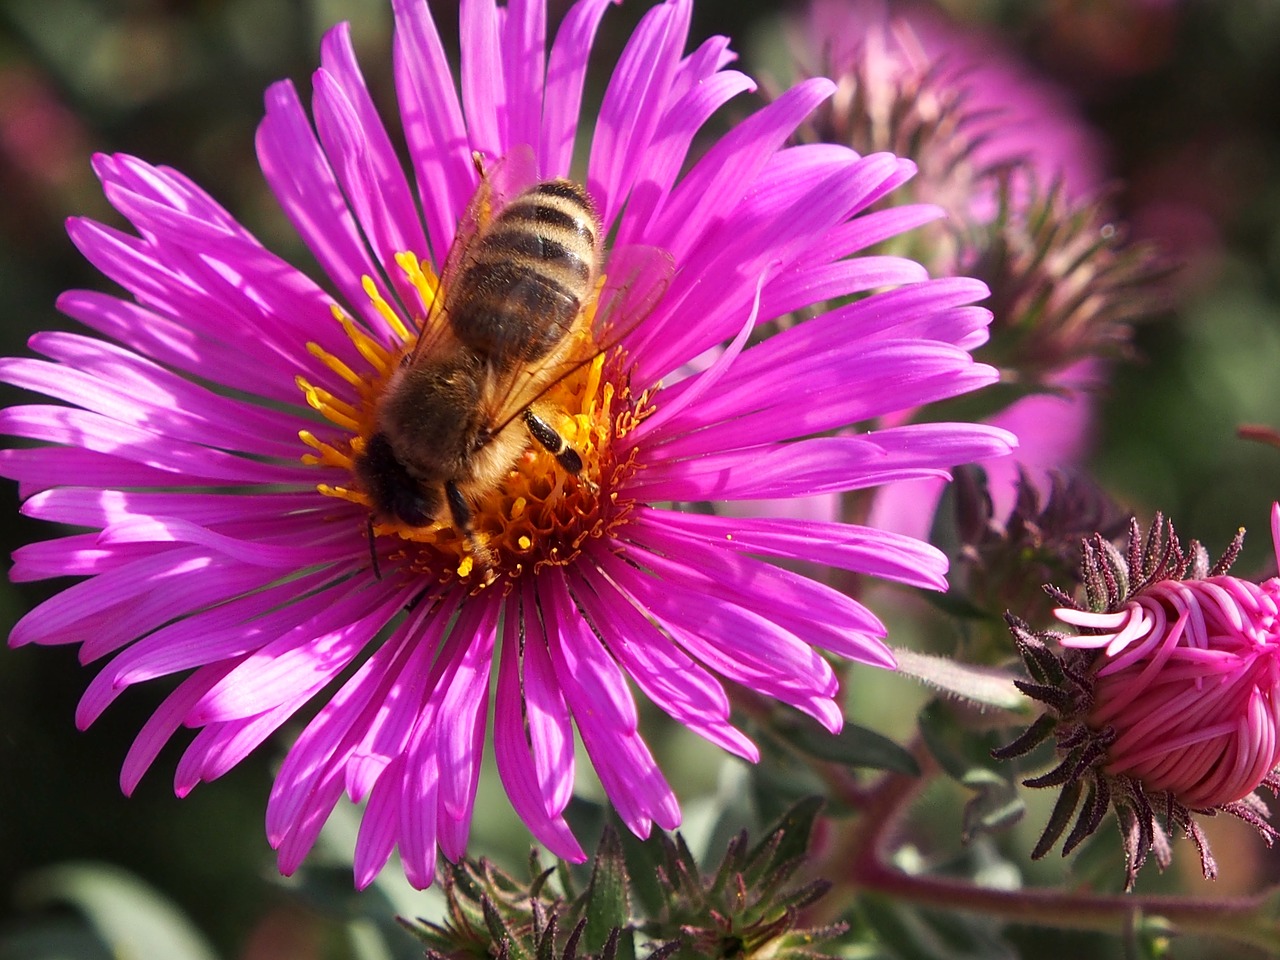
[1024, 181]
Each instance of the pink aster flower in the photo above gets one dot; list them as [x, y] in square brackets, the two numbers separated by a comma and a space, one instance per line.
[1168, 701]
[219, 428]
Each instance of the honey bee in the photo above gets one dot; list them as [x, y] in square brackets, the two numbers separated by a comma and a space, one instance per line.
[504, 328]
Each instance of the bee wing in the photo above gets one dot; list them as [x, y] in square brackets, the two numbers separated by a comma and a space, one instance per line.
[636, 278]
[499, 183]
[635, 282]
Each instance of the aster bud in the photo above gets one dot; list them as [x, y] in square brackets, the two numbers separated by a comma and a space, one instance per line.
[1065, 284]
[1166, 704]
[650, 895]
[1003, 559]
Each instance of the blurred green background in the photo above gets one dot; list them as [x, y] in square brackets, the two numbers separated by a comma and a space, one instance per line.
[1185, 94]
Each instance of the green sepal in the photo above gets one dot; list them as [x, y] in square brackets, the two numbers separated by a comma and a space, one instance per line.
[607, 903]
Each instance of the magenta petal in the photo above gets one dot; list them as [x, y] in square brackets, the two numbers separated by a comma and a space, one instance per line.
[419, 804]
[524, 55]
[744, 412]
[668, 677]
[670, 148]
[566, 72]
[223, 632]
[291, 852]
[351, 155]
[173, 406]
[93, 431]
[782, 668]
[547, 715]
[63, 618]
[484, 95]
[176, 344]
[463, 709]
[626, 767]
[220, 746]
[320, 753]
[78, 555]
[380, 824]
[577, 653]
[397, 226]
[304, 183]
[167, 187]
[303, 658]
[515, 758]
[433, 125]
[162, 725]
[41, 468]
[720, 179]
[633, 103]
[389, 734]
[807, 284]
[93, 507]
[819, 614]
[842, 545]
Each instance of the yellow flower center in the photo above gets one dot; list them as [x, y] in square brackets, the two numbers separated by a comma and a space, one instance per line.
[539, 513]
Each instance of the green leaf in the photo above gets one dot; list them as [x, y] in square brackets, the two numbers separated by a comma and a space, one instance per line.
[965, 755]
[996, 805]
[957, 605]
[133, 919]
[54, 940]
[783, 779]
[957, 748]
[915, 934]
[645, 859]
[853, 746]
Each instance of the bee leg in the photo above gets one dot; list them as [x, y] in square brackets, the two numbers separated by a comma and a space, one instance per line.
[460, 512]
[373, 549]
[556, 445]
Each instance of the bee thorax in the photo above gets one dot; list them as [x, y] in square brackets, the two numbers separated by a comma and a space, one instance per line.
[430, 416]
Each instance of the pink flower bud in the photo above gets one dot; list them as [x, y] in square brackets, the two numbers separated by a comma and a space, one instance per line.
[1190, 684]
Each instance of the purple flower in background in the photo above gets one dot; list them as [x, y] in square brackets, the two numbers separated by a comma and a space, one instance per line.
[954, 99]
[218, 430]
[1021, 176]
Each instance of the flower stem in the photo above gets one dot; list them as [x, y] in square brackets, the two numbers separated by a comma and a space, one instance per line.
[856, 862]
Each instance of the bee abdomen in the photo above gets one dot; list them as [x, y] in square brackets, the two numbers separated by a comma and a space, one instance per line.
[549, 255]
[529, 275]
[557, 209]
[512, 312]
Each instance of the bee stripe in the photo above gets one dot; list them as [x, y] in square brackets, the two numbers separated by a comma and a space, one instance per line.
[564, 189]
[546, 250]
[498, 318]
[549, 219]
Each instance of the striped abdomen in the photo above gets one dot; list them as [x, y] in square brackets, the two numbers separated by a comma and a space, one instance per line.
[528, 274]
